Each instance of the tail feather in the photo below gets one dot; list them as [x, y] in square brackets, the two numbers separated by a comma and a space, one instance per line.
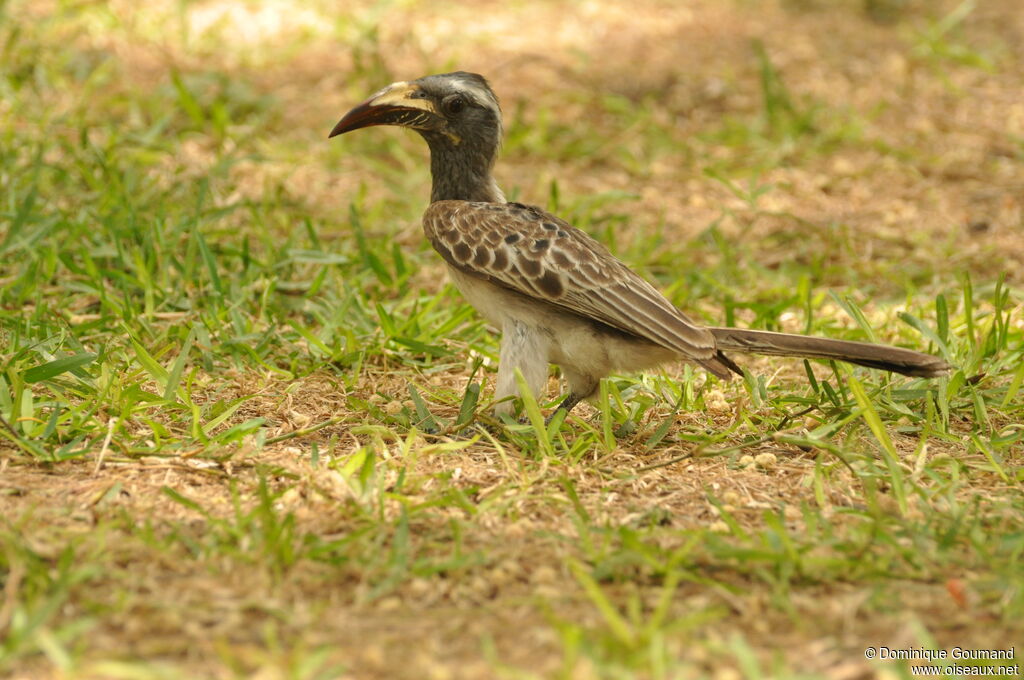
[883, 357]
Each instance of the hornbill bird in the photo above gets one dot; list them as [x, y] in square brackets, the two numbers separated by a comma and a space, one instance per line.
[558, 295]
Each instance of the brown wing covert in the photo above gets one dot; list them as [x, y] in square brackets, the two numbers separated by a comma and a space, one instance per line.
[541, 256]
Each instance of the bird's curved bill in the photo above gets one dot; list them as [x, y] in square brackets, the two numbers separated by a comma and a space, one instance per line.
[391, 106]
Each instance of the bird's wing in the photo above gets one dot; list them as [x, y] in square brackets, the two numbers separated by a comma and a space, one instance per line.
[538, 255]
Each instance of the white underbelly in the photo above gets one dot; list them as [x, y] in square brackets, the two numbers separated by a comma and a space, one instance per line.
[490, 301]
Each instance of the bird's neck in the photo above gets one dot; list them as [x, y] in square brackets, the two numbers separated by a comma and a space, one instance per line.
[462, 175]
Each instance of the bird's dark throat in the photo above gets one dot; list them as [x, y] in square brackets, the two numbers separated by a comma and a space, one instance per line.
[461, 171]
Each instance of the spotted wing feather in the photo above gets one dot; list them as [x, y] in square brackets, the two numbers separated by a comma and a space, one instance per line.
[541, 256]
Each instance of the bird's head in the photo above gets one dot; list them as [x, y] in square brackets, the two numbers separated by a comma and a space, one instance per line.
[453, 109]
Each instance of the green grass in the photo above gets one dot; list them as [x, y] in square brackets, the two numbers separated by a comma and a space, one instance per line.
[246, 426]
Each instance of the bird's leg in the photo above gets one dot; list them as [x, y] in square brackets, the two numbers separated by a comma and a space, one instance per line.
[567, 405]
[526, 348]
[582, 385]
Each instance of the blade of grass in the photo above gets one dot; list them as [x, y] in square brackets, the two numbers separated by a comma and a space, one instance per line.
[174, 376]
[614, 620]
[889, 453]
[534, 415]
[52, 369]
[468, 406]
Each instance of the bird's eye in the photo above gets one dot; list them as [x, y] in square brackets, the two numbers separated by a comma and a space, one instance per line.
[453, 104]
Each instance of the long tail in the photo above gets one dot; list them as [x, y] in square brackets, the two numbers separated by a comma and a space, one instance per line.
[884, 357]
